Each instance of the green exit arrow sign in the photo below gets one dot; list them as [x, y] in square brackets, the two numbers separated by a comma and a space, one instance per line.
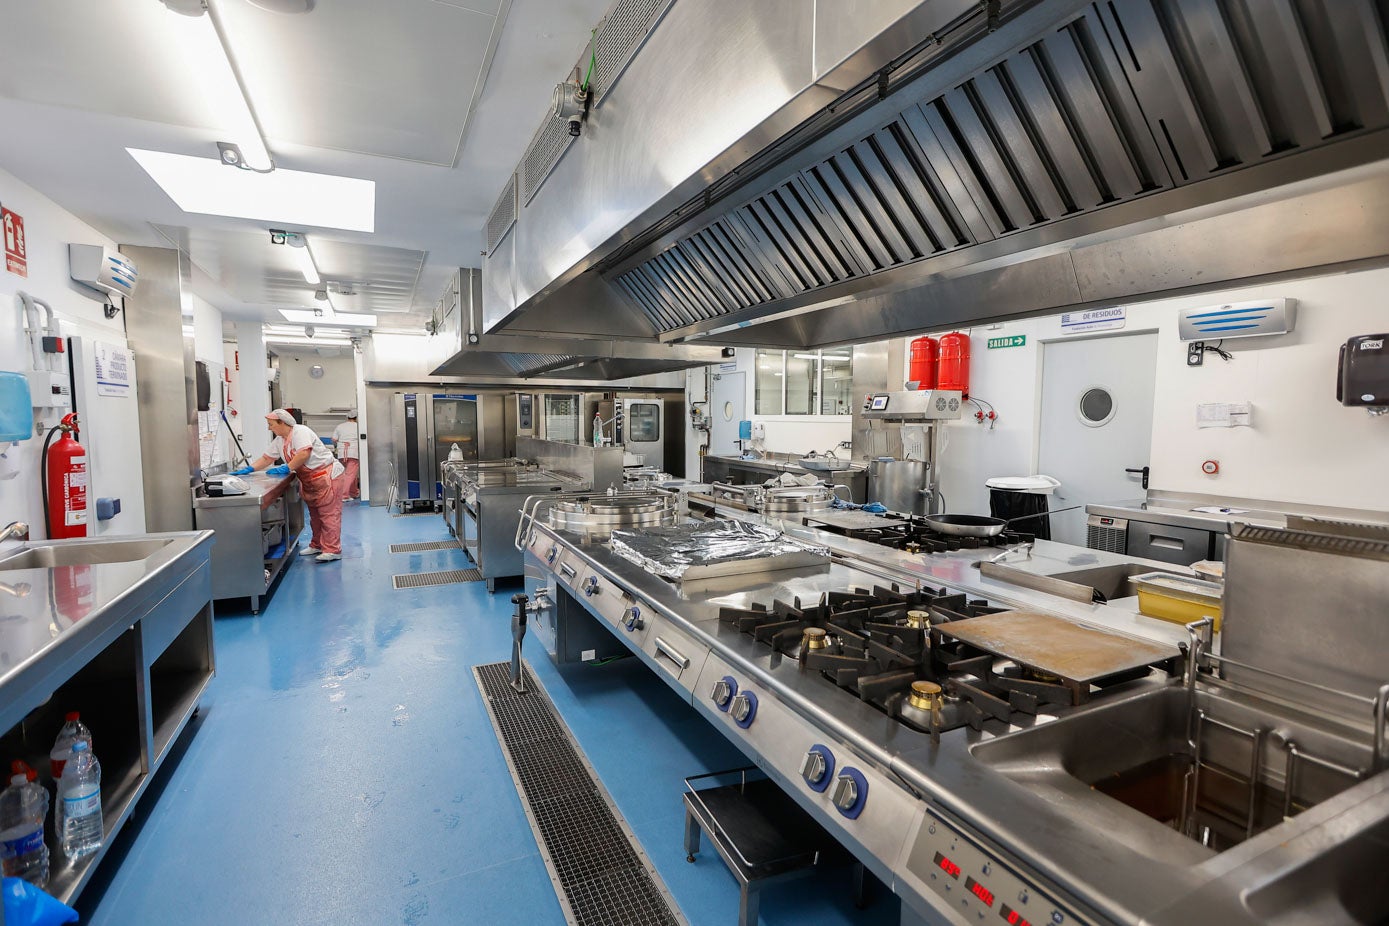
[1017, 340]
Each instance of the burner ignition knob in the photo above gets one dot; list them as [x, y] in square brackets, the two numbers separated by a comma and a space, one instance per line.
[744, 709]
[817, 768]
[723, 691]
[550, 557]
[850, 792]
[634, 620]
[591, 586]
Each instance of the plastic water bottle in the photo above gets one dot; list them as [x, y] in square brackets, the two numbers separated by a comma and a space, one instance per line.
[23, 811]
[80, 793]
[73, 730]
[597, 430]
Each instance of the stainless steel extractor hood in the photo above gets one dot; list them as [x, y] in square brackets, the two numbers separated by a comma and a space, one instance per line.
[509, 357]
[810, 173]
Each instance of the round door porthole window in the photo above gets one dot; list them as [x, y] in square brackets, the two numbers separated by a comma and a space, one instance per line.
[728, 411]
[1096, 407]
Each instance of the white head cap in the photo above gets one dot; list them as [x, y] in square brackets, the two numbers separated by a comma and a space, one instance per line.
[281, 416]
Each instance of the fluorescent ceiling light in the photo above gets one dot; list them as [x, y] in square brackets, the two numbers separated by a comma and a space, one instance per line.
[294, 197]
[216, 76]
[309, 342]
[307, 317]
[304, 258]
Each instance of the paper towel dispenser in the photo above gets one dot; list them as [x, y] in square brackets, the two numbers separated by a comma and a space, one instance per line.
[1362, 373]
[103, 269]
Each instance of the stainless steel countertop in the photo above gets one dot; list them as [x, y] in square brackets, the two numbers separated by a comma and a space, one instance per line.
[263, 489]
[774, 462]
[1177, 509]
[47, 611]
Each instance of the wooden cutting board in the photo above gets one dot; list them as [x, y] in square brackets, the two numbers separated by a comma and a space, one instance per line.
[1057, 646]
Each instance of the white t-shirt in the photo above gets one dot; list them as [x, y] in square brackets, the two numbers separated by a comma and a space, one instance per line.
[302, 436]
[345, 438]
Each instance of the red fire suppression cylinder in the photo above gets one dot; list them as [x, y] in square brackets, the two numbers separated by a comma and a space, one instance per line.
[66, 479]
[921, 370]
[953, 369]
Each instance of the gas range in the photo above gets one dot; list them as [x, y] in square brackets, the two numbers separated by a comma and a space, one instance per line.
[902, 651]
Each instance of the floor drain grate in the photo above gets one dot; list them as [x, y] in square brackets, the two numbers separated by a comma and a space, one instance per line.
[425, 547]
[602, 877]
[427, 579]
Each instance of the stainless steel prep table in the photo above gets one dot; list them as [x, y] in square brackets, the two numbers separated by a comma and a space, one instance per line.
[489, 510]
[120, 630]
[721, 468]
[248, 528]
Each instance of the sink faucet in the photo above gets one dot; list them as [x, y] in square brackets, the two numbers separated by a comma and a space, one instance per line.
[15, 529]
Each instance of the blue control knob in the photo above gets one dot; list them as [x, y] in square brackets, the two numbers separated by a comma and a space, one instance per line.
[634, 621]
[591, 587]
[817, 768]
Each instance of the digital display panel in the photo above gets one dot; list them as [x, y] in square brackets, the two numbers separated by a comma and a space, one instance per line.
[879, 403]
[947, 866]
[980, 891]
[1012, 917]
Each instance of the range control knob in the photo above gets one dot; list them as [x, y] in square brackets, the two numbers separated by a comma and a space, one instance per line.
[723, 691]
[591, 586]
[850, 793]
[817, 768]
[744, 709]
[550, 557]
[634, 620]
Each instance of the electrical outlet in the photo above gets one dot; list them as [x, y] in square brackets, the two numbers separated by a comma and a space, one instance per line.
[1195, 353]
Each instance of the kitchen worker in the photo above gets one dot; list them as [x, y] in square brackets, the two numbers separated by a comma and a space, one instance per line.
[309, 460]
[346, 439]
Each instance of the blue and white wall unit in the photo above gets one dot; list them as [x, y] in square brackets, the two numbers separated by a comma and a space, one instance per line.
[1238, 320]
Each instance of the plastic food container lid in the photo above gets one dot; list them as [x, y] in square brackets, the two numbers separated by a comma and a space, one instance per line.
[1192, 589]
[1036, 485]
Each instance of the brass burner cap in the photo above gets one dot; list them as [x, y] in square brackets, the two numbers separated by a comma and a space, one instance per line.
[814, 638]
[920, 620]
[925, 696]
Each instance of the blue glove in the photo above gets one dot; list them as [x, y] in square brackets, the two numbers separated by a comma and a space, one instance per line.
[281, 470]
[244, 471]
[875, 508]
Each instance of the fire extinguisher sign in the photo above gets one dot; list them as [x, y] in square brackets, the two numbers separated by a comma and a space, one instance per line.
[16, 250]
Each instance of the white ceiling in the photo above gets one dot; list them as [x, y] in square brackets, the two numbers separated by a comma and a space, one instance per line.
[375, 89]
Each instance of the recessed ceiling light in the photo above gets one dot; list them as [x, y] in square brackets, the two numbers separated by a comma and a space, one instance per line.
[309, 317]
[295, 197]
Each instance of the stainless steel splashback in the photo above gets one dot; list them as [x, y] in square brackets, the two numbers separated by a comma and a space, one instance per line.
[1309, 603]
[878, 367]
[1077, 154]
[600, 467]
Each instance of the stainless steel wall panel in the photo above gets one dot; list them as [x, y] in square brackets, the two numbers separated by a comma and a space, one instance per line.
[498, 274]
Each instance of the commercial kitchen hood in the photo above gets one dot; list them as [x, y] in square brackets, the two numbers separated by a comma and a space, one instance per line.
[802, 173]
[506, 357]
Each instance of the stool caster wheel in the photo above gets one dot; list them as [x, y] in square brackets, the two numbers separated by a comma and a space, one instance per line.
[690, 859]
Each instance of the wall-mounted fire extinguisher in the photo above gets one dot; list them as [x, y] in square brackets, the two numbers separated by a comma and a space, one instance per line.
[65, 482]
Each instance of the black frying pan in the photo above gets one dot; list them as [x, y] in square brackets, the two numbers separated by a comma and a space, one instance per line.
[974, 525]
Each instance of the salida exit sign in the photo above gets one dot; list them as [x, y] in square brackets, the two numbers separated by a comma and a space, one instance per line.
[1016, 340]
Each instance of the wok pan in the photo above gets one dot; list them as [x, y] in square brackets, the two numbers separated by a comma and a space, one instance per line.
[974, 525]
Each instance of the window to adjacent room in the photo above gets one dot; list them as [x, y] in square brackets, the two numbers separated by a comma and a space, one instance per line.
[804, 382]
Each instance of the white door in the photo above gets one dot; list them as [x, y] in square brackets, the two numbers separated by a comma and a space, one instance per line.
[108, 413]
[1096, 423]
[727, 401]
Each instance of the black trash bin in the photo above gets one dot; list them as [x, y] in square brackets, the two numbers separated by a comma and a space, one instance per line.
[1014, 501]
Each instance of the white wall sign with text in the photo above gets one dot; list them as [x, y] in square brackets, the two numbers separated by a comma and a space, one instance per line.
[1092, 320]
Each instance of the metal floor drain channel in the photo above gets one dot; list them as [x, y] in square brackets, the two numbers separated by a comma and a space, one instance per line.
[425, 547]
[602, 876]
[428, 579]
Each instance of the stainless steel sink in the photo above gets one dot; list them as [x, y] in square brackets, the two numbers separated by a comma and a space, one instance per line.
[1112, 581]
[93, 553]
[1130, 767]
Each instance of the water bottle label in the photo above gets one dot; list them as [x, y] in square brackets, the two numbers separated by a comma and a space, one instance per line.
[23, 845]
[81, 806]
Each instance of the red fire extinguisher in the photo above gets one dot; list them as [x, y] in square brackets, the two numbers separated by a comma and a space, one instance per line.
[65, 482]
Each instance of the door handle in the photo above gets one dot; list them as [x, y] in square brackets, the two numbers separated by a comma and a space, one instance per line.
[1145, 471]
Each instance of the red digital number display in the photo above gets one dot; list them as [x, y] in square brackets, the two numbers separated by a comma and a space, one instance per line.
[1012, 916]
[947, 866]
[980, 891]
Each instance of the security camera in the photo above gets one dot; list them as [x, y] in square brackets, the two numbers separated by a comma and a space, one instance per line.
[308, 331]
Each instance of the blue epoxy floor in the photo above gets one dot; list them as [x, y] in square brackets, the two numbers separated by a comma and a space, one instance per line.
[344, 770]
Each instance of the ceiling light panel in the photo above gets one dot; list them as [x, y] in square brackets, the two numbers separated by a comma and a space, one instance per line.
[294, 197]
[303, 258]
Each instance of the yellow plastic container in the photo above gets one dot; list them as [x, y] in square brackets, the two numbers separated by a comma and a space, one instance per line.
[1178, 599]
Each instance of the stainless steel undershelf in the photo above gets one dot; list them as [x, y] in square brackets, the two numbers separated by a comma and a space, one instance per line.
[248, 527]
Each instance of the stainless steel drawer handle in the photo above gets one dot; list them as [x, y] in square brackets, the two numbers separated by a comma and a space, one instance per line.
[665, 649]
[567, 570]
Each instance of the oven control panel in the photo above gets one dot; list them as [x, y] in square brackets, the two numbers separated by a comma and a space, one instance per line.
[974, 885]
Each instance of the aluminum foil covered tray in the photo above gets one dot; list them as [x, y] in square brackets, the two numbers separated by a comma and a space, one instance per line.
[714, 548]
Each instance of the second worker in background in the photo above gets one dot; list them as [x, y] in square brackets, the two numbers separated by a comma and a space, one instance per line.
[347, 440]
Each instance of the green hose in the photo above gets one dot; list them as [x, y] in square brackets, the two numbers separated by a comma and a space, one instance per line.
[593, 57]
